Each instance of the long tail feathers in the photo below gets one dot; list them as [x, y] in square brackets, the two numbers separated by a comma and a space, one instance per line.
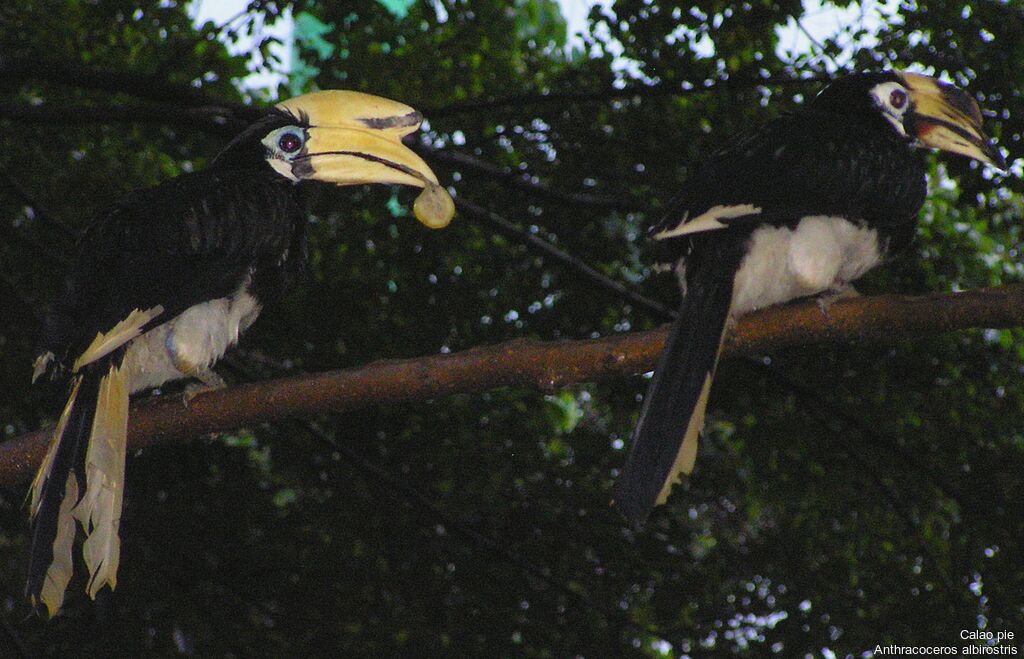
[81, 478]
[54, 495]
[100, 508]
[672, 418]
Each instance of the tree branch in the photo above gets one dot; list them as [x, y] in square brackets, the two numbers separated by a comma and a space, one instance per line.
[156, 87]
[545, 366]
[580, 267]
[202, 112]
[524, 181]
[23, 196]
[212, 118]
[602, 95]
[152, 87]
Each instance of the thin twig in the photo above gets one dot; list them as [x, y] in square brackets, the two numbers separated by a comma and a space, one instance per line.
[523, 181]
[202, 112]
[29, 307]
[889, 494]
[816, 43]
[23, 195]
[564, 97]
[215, 119]
[15, 237]
[141, 85]
[873, 436]
[574, 264]
[413, 497]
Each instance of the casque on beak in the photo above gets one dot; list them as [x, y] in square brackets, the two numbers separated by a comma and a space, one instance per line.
[945, 117]
[354, 138]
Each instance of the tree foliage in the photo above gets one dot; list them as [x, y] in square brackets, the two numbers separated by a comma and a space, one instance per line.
[845, 496]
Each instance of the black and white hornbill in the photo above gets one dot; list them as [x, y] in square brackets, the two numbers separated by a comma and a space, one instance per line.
[804, 206]
[166, 280]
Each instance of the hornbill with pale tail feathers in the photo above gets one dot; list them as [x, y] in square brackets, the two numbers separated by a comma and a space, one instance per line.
[166, 280]
[804, 206]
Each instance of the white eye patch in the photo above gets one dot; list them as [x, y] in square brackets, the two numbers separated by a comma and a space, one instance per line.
[285, 142]
[893, 100]
[283, 146]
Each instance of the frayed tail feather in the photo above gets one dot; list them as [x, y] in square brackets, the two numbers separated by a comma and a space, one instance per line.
[59, 574]
[86, 457]
[100, 508]
[55, 493]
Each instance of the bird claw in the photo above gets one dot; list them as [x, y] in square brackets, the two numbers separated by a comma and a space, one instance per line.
[208, 381]
[828, 298]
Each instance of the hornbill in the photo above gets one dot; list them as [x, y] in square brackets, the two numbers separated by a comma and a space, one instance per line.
[166, 280]
[803, 206]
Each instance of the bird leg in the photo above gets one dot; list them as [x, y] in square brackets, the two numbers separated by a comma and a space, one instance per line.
[208, 381]
[192, 352]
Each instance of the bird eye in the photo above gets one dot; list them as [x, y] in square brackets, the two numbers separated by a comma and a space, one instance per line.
[898, 98]
[289, 142]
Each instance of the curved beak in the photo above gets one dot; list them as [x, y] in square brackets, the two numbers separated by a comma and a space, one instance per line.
[354, 138]
[348, 156]
[945, 117]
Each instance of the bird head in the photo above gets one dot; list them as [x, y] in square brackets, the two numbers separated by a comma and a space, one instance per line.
[923, 110]
[345, 138]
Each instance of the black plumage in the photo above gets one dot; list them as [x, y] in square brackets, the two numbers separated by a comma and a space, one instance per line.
[802, 206]
[189, 240]
[814, 162]
[166, 280]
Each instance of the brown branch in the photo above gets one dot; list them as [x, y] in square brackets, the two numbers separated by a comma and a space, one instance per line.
[545, 366]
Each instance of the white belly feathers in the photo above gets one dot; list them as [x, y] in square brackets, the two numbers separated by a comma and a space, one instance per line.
[822, 253]
[192, 342]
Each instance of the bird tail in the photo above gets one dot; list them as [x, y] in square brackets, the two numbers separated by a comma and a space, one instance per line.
[672, 417]
[81, 478]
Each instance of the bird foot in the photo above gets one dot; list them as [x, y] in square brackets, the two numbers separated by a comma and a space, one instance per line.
[828, 298]
[208, 381]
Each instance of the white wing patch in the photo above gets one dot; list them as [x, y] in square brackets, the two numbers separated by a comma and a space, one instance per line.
[709, 220]
[120, 334]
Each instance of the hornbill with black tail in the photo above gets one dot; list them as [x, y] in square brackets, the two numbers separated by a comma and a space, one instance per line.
[166, 280]
[804, 206]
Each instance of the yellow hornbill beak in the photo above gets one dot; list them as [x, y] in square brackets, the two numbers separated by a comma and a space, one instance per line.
[945, 117]
[351, 138]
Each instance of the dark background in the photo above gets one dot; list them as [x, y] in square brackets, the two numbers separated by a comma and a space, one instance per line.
[844, 497]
